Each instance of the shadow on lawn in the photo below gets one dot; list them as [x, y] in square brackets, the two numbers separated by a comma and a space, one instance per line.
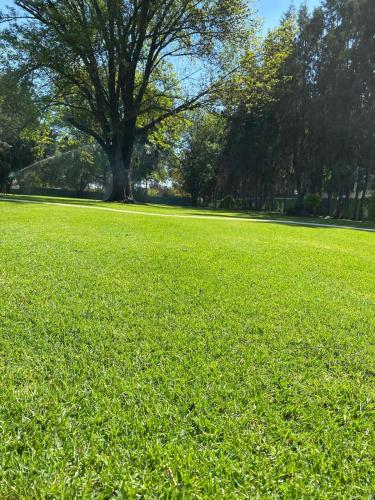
[265, 217]
[46, 199]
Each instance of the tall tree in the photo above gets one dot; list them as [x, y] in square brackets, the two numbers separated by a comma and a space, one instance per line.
[109, 62]
[255, 140]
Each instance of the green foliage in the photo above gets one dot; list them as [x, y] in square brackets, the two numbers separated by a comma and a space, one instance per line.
[302, 110]
[183, 358]
[42, 138]
[151, 162]
[112, 66]
[18, 112]
[66, 159]
[203, 146]
[262, 68]
[72, 168]
[19, 121]
[228, 202]
[311, 202]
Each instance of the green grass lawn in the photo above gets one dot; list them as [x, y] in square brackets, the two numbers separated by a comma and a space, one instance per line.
[187, 211]
[193, 358]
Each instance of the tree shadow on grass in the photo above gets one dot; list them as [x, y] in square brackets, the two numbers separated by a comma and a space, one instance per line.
[180, 211]
[47, 199]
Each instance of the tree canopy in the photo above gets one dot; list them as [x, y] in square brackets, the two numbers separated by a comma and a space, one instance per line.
[113, 65]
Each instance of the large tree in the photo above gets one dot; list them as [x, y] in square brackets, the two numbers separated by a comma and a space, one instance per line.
[116, 65]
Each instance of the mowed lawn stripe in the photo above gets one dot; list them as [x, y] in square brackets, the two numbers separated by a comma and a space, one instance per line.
[146, 356]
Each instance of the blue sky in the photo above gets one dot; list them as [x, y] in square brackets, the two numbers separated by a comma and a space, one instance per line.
[270, 10]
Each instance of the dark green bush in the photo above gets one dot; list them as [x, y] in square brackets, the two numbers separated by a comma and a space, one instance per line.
[228, 203]
[311, 203]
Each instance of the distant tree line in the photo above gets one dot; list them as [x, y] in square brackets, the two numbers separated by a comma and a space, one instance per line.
[299, 119]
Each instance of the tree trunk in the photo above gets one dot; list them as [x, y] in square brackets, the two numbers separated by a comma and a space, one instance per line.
[194, 199]
[355, 208]
[363, 197]
[120, 165]
[328, 210]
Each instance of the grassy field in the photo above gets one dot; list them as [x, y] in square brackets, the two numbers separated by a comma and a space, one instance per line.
[145, 357]
[187, 211]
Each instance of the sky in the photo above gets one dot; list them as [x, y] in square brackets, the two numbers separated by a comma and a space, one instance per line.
[270, 10]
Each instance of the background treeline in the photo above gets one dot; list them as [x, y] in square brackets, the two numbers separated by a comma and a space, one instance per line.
[304, 123]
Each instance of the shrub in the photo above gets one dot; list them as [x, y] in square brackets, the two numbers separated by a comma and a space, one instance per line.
[311, 202]
[371, 208]
[228, 203]
[153, 192]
